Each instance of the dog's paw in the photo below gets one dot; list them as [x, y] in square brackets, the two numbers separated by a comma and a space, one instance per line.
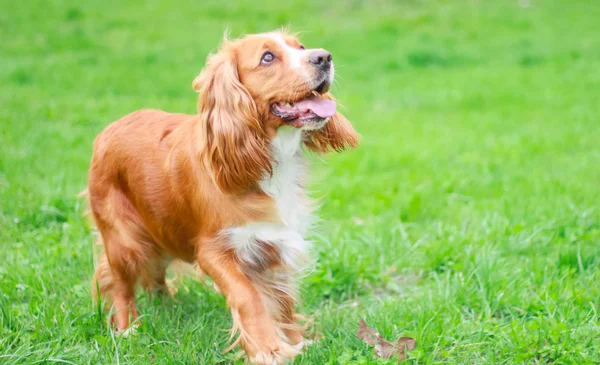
[302, 344]
[278, 357]
[129, 331]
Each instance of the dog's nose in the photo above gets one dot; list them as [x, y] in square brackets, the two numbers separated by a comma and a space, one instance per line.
[320, 58]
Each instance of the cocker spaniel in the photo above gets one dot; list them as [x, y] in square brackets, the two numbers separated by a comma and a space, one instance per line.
[223, 188]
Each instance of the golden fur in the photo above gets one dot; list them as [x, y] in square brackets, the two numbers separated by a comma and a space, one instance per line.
[165, 186]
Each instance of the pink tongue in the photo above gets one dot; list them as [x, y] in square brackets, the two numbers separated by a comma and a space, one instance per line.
[321, 107]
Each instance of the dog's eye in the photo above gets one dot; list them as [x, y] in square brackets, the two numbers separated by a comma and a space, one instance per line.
[302, 47]
[267, 58]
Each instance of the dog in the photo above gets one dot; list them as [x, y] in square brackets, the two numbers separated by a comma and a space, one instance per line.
[223, 188]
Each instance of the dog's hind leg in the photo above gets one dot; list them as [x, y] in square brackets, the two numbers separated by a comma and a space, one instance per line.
[115, 280]
[155, 278]
[126, 258]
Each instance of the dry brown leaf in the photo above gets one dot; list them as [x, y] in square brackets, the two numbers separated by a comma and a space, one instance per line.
[368, 335]
[405, 344]
[384, 348]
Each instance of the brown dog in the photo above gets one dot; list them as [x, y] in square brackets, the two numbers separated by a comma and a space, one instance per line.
[223, 188]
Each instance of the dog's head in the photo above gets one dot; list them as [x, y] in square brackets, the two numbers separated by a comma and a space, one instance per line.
[257, 84]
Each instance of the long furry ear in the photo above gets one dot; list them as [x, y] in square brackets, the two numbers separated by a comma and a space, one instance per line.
[233, 145]
[337, 135]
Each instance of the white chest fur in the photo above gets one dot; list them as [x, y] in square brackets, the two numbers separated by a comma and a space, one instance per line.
[286, 183]
[285, 186]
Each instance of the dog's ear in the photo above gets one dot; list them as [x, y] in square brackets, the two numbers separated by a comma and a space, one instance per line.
[233, 144]
[337, 135]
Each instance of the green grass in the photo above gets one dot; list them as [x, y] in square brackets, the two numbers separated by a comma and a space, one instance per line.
[468, 218]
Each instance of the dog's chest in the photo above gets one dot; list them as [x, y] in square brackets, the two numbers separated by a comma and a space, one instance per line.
[258, 242]
[285, 185]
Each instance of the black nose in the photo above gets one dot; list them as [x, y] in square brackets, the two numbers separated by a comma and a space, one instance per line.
[320, 58]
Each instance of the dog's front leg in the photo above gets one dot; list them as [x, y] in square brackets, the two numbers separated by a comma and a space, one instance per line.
[258, 335]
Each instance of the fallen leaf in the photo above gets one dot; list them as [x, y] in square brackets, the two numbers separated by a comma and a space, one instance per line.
[384, 349]
[405, 344]
[368, 335]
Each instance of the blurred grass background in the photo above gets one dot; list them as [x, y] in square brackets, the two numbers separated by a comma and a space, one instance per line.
[467, 219]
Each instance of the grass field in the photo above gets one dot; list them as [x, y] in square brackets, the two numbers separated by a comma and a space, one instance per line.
[468, 219]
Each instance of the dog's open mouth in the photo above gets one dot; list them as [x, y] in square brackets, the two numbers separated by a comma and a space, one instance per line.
[310, 109]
